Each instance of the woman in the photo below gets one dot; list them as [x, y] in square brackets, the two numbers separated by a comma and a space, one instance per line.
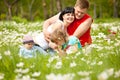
[66, 18]
[80, 27]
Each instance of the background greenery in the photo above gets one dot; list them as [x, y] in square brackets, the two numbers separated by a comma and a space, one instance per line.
[99, 61]
[42, 9]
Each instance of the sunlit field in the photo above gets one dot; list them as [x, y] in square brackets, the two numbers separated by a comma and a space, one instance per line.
[98, 61]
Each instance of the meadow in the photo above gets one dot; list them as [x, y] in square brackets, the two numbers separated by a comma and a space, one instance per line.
[98, 61]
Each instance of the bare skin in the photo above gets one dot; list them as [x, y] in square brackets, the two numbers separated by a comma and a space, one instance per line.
[79, 13]
[67, 19]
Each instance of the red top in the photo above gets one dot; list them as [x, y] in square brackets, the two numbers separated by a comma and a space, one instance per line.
[85, 38]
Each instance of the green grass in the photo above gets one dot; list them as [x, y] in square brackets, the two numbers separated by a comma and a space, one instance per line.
[106, 20]
[102, 56]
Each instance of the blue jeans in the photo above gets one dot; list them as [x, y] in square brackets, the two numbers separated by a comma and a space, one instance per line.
[51, 51]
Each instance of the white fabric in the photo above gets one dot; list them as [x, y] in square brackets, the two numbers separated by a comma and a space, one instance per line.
[40, 40]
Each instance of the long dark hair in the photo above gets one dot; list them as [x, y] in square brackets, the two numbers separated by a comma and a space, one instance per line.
[66, 10]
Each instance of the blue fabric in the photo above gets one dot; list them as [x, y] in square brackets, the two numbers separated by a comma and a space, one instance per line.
[32, 52]
[72, 41]
[51, 51]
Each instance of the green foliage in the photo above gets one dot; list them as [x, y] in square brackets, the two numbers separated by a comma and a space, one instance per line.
[19, 20]
[96, 61]
[2, 16]
[106, 20]
[25, 8]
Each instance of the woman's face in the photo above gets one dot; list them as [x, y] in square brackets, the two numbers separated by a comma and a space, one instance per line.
[79, 13]
[68, 17]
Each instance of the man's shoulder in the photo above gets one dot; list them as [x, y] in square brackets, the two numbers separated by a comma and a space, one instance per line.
[83, 19]
[87, 15]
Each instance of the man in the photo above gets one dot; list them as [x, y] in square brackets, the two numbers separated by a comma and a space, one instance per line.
[80, 26]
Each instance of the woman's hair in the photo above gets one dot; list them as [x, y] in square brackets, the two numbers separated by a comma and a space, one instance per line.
[82, 4]
[58, 35]
[66, 10]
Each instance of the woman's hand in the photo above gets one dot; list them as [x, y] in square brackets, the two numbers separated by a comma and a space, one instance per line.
[46, 35]
[53, 45]
[61, 52]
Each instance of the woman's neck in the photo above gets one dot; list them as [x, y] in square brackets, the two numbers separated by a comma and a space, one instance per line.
[66, 25]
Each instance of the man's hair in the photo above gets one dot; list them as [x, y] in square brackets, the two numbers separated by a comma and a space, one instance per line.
[82, 4]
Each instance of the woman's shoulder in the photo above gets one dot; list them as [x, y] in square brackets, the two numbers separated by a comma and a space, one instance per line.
[59, 21]
[57, 24]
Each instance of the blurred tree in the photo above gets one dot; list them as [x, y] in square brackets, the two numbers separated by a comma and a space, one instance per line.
[52, 7]
[43, 9]
[97, 8]
[115, 8]
[30, 4]
[95, 11]
[59, 5]
[9, 6]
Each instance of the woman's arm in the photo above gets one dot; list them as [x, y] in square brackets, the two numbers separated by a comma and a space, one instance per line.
[47, 23]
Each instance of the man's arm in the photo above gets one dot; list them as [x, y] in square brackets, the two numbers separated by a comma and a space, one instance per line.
[83, 28]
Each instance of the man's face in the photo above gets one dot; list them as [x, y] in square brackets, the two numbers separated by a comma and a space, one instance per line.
[79, 13]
